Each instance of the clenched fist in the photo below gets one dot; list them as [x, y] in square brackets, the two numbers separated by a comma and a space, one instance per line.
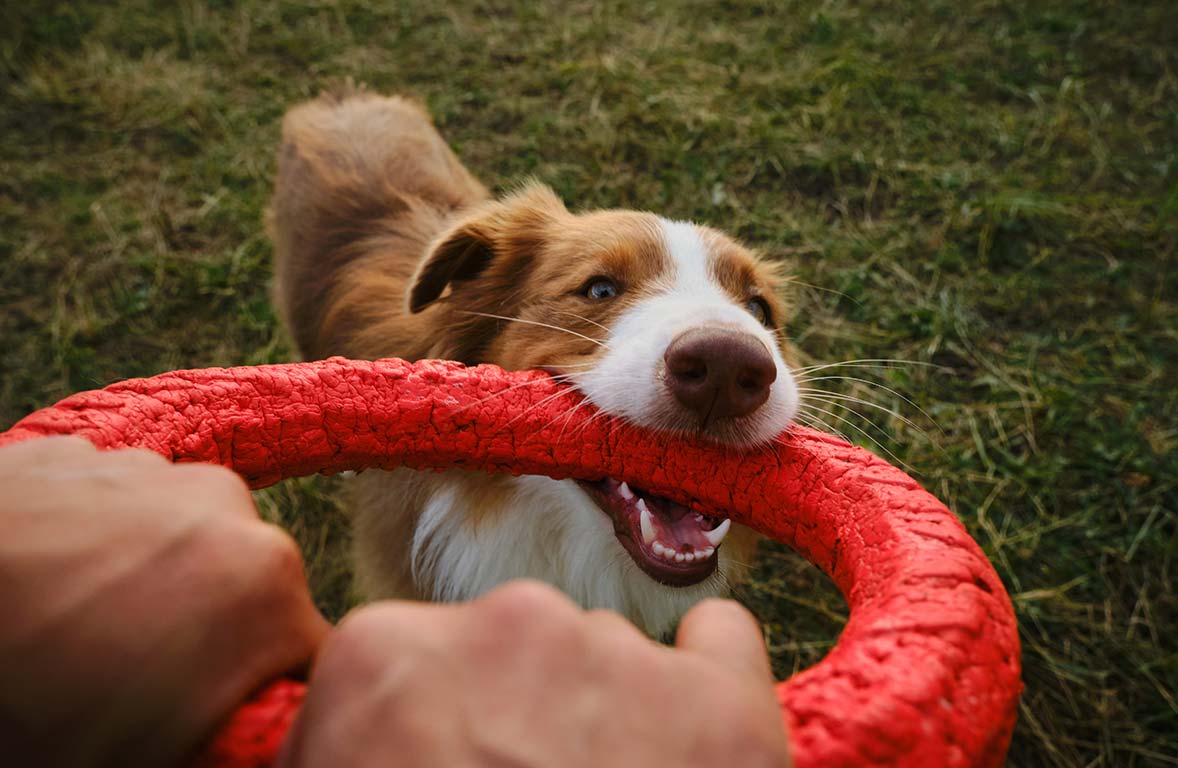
[524, 678]
[142, 601]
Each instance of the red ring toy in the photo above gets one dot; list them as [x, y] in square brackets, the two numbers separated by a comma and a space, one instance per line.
[926, 672]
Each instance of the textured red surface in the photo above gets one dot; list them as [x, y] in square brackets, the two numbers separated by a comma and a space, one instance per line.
[926, 672]
[254, 734]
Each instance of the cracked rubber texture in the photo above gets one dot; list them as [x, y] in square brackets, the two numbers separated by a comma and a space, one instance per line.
[926, 672]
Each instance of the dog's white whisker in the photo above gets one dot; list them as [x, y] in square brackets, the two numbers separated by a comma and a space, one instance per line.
[813, 422]
[587, 320]
[578, 366]
[502, 392]
[508, 319]
[868, 362]
[593, 418]
[568, 416]
[877, 385]
[533, 406]
[834, 397]
[865, 434]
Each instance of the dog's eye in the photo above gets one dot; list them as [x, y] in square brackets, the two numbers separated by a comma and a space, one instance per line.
[601, 288]
[758, 309]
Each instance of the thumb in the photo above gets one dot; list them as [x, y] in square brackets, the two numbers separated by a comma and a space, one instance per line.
[725, 632]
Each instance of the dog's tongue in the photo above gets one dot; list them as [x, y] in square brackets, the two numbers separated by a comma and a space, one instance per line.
[678, 525]
[673, 544]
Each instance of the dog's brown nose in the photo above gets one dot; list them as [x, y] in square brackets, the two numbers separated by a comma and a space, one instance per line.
[719, 374]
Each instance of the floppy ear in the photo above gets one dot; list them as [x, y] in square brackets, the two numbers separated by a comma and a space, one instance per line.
[461, 253]
[510, 229]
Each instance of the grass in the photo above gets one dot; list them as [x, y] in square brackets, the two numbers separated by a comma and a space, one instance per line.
[988, 187]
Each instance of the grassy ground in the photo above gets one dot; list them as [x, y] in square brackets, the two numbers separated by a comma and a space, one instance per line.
[990, 187]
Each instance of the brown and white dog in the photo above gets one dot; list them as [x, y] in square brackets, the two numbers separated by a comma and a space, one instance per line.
[388, 247]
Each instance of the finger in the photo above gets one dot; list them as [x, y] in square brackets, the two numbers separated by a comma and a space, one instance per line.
[132, 458]
[219, 489]
[284, 564]
[526, 600]
[272, 627]
[726, 633]
[45, 449]
[369, 657]
[373, 636]
[144, 454]
[499, 626]
[75, 460]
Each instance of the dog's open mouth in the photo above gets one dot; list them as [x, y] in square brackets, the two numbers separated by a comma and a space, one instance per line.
[671, 543]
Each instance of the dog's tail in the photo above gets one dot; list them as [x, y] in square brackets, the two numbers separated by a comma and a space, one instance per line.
[364, 184]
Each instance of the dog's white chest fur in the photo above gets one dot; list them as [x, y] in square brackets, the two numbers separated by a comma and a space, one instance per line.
[535, 528]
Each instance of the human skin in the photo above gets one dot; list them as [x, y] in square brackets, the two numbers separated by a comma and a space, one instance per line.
[522, 677]
[143, 601]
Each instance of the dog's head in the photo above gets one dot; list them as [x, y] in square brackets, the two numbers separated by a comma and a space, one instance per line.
[665, 324]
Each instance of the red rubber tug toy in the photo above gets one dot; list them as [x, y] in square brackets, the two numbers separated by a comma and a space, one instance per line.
[926, 672]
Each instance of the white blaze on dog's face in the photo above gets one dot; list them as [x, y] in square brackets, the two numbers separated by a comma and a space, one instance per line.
[689, 303]
[661, 323]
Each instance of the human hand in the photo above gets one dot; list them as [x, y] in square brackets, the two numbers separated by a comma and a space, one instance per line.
[143, 601]
[522, 677]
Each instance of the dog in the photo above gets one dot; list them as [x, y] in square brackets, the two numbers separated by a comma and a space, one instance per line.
[387, 246]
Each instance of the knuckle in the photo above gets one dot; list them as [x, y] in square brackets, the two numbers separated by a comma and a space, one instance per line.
[527, 595]
[213, 478]
[271, 558]
[527, 603]
[46, 449]
[255, 563]
[280, 555]
[63, 443]
[365, 621]
[211, 490]
[359, 644]
[137, 456]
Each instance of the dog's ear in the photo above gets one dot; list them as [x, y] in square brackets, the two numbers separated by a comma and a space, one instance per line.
[504, 233]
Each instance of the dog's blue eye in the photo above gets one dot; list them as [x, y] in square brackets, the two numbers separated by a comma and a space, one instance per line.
[601, 288]
[759, 310]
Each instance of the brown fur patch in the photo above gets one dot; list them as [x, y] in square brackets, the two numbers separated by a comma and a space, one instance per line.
[387, 246]
[562, 328]
[364, 184]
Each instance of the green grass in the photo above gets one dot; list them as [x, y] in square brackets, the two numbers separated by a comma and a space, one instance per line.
[988, 187]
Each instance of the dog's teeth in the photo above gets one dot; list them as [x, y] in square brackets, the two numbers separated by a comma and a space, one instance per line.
[717, 534]
[647, 523]
[680, 557]
[625, 492]
[708, 552]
